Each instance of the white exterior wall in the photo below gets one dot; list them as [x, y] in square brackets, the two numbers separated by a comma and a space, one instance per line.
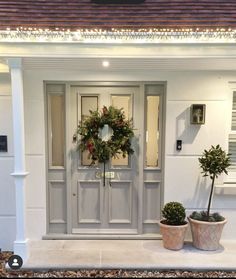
[7, 186]
[35, 157]
[183, 180]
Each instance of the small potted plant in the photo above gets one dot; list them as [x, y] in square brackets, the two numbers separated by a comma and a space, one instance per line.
[207, 227]
[173, 226]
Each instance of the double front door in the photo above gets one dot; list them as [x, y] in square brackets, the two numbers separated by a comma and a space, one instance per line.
[123, 199]
[105, 197]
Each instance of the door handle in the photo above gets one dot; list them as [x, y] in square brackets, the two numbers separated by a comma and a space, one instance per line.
[74, 195]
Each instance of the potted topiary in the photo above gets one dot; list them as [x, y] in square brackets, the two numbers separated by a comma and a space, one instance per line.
[173, 227]
[206, 227]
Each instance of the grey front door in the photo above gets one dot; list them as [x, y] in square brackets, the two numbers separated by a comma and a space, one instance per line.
[111, 208]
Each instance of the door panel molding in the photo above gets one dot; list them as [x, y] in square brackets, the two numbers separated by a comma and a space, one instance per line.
[119, 207]
[151, 197]
[57, 208]
[89, 202]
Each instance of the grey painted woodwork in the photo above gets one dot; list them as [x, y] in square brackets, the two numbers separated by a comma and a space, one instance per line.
[130, 202]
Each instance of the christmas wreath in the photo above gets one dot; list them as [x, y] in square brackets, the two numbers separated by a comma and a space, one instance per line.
[88, 135]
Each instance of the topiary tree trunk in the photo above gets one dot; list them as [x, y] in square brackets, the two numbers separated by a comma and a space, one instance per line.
[210, 197]
[214, 162]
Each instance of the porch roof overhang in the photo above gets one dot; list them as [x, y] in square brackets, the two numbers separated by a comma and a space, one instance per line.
[126, 64]
[89, 56]
[162, 35]
[152, 29]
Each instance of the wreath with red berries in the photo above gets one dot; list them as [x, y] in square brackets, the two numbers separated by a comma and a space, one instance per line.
[88, 136]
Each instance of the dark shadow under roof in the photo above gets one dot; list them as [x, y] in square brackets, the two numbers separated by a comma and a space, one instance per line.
[82, 14]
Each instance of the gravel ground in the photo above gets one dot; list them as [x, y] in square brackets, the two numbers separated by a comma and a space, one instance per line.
[116, 273]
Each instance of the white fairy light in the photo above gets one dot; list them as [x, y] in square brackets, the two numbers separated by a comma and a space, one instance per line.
[151, 35]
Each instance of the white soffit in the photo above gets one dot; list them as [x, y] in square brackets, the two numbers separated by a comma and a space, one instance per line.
[127, 64]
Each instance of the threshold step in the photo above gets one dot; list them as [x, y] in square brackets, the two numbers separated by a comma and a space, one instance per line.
[102, 236]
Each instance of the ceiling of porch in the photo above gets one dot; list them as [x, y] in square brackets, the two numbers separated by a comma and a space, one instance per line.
[134, 64]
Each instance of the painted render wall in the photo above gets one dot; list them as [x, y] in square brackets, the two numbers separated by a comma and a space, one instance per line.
[183, 181]
[7, 187]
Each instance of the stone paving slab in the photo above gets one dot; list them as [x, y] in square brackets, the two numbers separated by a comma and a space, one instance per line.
[126, 254]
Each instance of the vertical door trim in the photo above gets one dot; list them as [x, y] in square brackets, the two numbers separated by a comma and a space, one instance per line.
[163, 142]
[68, 160]
[140, 101]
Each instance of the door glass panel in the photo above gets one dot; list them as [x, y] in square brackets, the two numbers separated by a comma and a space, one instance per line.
[124, 102]
[57, 117]
[152, 131]
[87, 103]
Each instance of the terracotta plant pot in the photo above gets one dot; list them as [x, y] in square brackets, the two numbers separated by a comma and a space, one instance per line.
[206, 235]
[173, 236]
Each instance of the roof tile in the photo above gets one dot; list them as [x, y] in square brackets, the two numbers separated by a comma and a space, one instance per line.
[79, 14]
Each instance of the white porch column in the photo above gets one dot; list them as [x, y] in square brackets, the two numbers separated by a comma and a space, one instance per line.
[21, 243]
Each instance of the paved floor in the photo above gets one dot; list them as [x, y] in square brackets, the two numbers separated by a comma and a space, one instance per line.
[127, 254]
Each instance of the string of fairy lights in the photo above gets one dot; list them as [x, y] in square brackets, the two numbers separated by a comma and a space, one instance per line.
[119, 35]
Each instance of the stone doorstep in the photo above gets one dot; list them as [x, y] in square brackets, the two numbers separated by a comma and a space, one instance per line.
[126, 254]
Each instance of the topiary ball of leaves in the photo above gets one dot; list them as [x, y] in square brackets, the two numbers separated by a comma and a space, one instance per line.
[174, 214]
[214, 161]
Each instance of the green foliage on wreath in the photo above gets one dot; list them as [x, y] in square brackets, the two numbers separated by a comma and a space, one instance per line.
[87, 135]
